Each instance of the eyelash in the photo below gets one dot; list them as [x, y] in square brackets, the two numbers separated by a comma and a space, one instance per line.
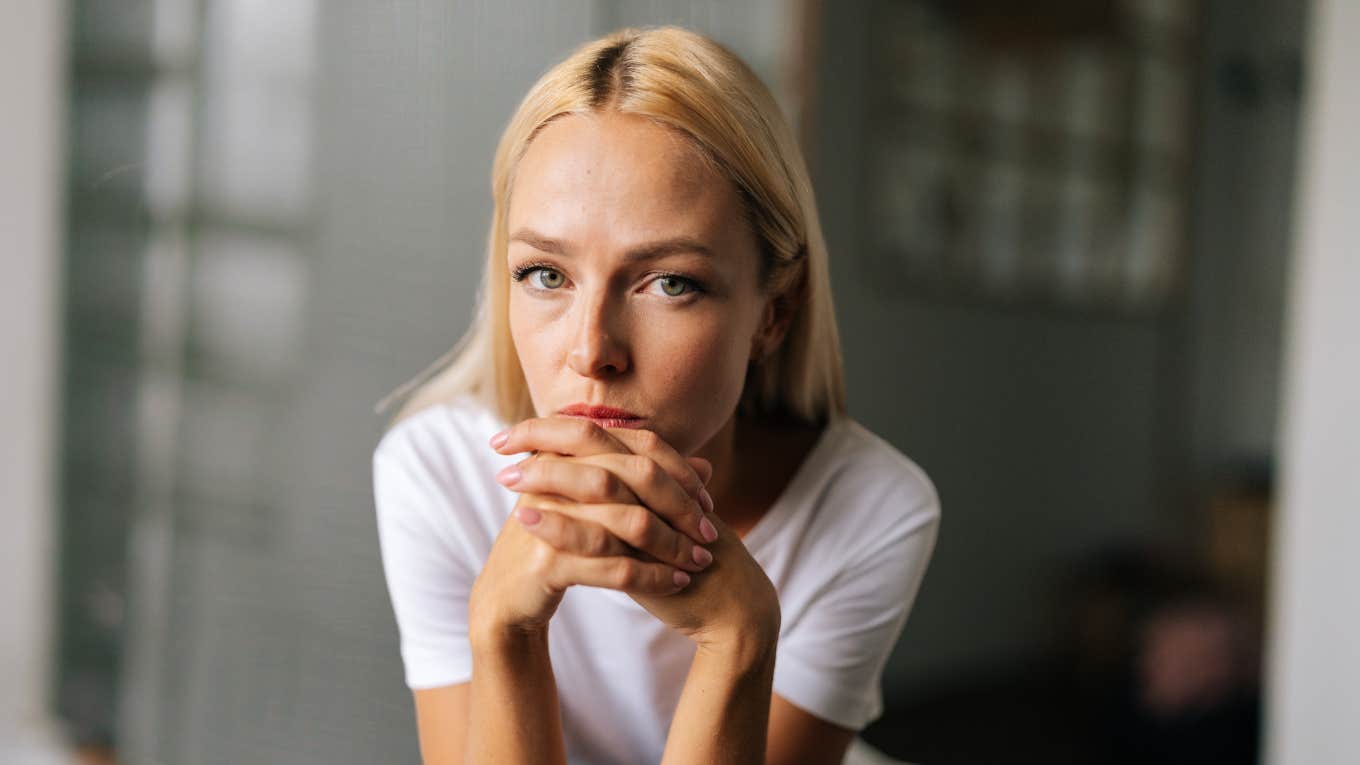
[522, 271]
[695, 287]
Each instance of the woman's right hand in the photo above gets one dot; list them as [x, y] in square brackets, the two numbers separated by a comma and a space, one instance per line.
[525, 577]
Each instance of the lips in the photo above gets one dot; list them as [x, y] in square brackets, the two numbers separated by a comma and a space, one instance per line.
[604, 416]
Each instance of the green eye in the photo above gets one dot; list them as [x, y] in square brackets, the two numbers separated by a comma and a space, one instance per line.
[550, 279]
[672, 286]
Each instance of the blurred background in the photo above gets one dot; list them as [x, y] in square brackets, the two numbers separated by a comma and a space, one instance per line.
[1093, 264]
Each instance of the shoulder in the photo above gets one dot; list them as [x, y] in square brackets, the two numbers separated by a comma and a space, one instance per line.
[871, 495]
[436, 465]
[446, 433]
[881, 475]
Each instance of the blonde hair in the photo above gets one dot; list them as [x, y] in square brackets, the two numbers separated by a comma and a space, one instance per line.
[689, 83]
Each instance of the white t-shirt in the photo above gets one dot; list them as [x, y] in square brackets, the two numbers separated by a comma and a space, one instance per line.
[846, 546]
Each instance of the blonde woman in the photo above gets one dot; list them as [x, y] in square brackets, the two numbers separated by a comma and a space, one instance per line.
[648, 406]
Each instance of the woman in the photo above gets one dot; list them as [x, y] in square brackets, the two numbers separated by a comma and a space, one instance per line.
[655, 331]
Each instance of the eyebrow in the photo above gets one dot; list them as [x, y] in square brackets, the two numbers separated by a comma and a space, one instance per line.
[648, 251]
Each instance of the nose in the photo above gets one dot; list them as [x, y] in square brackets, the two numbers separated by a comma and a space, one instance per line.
[596, 349]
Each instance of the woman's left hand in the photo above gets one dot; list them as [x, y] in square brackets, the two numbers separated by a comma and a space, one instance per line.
[727, 600]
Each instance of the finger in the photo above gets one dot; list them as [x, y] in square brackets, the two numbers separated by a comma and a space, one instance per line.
[617, 573]
[705, 470]
[565, 435]
[570, 478]
[569, 534]
[655, 489]
[577, 528]
[629, 479]
[580, 437]
[703, 467]
[682, 469]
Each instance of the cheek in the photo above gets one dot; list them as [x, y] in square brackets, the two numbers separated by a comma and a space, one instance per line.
[698, 360]
[534, 341]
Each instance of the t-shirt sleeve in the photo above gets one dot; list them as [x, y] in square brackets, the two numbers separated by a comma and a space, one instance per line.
[427, 579]
[831, 663]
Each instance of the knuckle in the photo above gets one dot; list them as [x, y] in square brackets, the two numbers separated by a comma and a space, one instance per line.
[636, 465]
[627, 573]
[602, 483]
[598, 542]
[543, 560]
[638, 526]
[651, 472]
[647, 440]
[584, 429]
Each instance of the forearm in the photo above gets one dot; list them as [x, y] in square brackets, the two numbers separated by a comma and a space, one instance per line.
[724, 709]
[513, 715]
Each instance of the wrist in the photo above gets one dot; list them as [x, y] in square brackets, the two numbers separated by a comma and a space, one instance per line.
[488, 628]
[503, 637]
[750, 647]
[758, 629]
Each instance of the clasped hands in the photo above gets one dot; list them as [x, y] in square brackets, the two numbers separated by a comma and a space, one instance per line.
[622, 509]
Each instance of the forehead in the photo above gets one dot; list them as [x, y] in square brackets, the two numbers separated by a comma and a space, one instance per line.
[615, 178]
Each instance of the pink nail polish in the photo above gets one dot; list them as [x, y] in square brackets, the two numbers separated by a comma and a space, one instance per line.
[706, 500]
[510, 475]
[706, 528]
[702, 557]
[681, 578]
[498, 440]
[528, 516]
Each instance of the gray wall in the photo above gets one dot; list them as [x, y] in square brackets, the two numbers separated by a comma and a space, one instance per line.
[1047, 432]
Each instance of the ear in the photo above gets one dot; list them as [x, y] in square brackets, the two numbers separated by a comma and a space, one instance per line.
[776, 319]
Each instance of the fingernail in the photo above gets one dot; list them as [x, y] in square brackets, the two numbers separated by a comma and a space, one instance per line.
[702, 556]
[498, 440]
[509, 475]
[706, 500]
[681, 578]
[528, 516]
[706, 528]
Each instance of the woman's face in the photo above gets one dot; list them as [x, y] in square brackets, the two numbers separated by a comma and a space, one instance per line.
[634, 277]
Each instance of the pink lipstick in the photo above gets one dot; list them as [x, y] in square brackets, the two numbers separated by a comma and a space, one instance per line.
[604, 416]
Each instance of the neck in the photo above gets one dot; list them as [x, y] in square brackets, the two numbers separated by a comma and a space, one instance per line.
[752, 460]
[722, 452]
